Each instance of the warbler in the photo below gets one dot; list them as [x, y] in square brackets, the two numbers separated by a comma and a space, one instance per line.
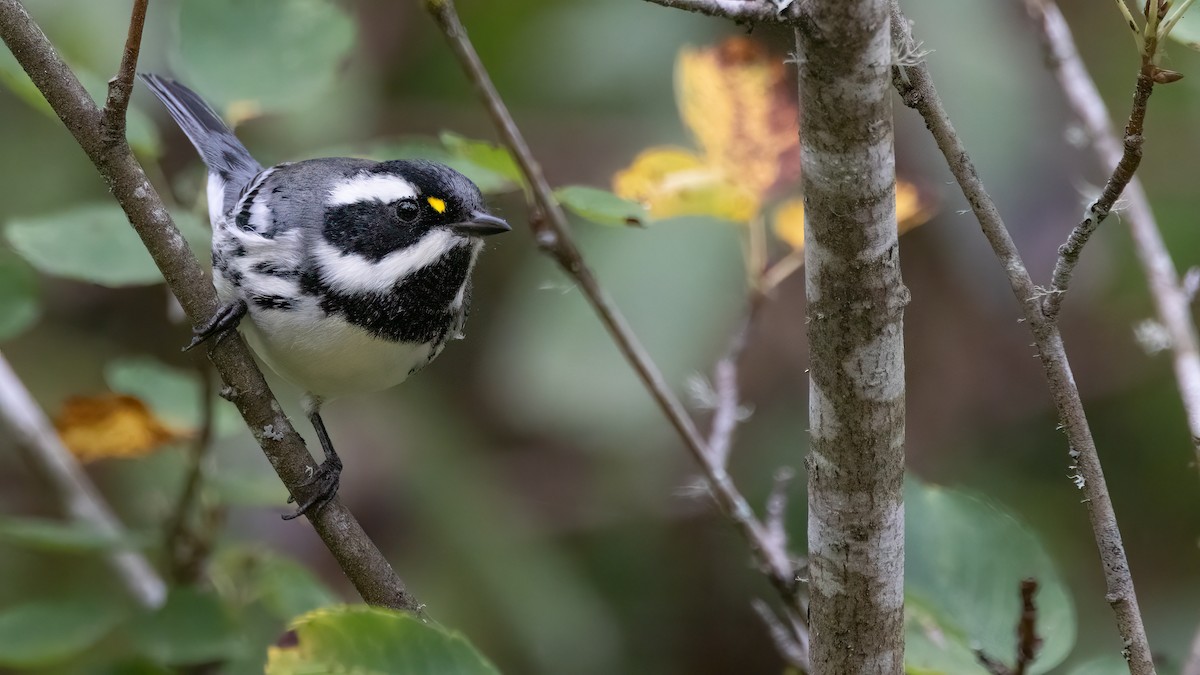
[344, 275]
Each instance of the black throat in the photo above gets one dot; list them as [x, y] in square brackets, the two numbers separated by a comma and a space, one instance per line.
[417, 308]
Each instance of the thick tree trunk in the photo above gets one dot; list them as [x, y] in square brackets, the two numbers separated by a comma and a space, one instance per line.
[856, 305]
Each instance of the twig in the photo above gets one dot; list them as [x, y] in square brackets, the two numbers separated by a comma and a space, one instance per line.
[918, 92]
[754, 11]
[1192, 665]
[1028, 642]
[553, 236]
[187, 548]
[727, 411]
[120, 87]
[1171, 300]
[793, 650]
[75, 493]
[358, 557]
[1068, 253]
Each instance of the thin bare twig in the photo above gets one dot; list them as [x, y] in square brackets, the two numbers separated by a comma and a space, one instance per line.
[358, 557]
[189, 535]
[74, 491]
[552, 234]
[727, 411]
[1172, 302]
[916, 89]
[1068, 253]
[120, 87]
[783, 632]
[753, 11]
[1192, 665]
[1028, 642]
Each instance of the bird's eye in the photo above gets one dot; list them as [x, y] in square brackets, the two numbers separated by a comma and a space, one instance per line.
[407, 210]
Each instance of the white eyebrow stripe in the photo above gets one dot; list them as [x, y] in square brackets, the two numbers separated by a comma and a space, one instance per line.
[363, 188]
[353, 273]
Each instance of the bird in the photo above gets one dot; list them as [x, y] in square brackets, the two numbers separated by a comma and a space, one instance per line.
[343, 275]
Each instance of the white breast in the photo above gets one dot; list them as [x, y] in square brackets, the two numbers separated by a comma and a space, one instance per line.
[326, 356]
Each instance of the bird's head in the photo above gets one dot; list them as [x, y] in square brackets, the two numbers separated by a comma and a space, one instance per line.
[393, 205]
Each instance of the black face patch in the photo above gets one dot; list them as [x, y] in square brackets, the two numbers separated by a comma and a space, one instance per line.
[416, 309]
[370, 229]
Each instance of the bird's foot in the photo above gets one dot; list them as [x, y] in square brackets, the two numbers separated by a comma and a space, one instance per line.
[322, 486]
[224, 319]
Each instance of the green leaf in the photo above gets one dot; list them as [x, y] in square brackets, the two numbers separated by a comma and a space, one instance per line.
[18, 296]
[488, 180]
[601, 206]
[192, 627]
[1187, 31]
[63, 537]
[51, 631]
[369, 641]
[261, 55]
[964, 561]
[173, 394]
[95, 243]
[487, 155]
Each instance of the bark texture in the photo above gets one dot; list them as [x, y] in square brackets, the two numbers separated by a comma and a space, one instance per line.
[856, 303]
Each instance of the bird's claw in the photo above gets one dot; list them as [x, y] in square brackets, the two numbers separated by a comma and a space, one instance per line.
[323, 484]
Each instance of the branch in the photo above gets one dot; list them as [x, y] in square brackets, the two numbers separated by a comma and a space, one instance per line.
[120, 87]
[794, 651]
[855, 324]
[1068, 253]
[727, 409]
[82, 503]
[1192, 665]
[916, 89]
[751, 11]
[553, 236]
[1171, 301]
[187, 547]
[356, 554]
[1028, 642]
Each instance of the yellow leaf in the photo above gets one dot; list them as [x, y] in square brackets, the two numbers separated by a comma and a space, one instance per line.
[742, 108]
[789, 223]
[673, 182]
[911, 210]
[242, 110]
[112, 426]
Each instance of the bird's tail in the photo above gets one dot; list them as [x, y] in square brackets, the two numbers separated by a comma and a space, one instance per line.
[222, 152]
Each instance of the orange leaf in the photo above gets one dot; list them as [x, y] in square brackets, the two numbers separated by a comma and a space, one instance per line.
[741, 106]
[112, 426]
[673, 182]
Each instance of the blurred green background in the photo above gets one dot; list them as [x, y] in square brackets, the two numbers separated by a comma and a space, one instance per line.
[525, 486]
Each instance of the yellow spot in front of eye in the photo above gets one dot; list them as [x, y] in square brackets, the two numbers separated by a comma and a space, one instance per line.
[438, 205]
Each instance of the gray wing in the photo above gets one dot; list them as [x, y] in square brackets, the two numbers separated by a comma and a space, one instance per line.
[227, 159]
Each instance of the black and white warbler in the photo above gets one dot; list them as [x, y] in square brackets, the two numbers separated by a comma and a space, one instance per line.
[344, 275]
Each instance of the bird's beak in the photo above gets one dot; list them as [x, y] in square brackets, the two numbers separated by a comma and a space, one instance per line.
[481, 225]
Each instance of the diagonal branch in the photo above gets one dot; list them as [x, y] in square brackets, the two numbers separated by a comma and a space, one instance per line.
[44, 451]
[755, 11]
[916, 89]
[1068, 253]
[1171, 301]
[120, 87]
[356, 554]
[553, 236]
